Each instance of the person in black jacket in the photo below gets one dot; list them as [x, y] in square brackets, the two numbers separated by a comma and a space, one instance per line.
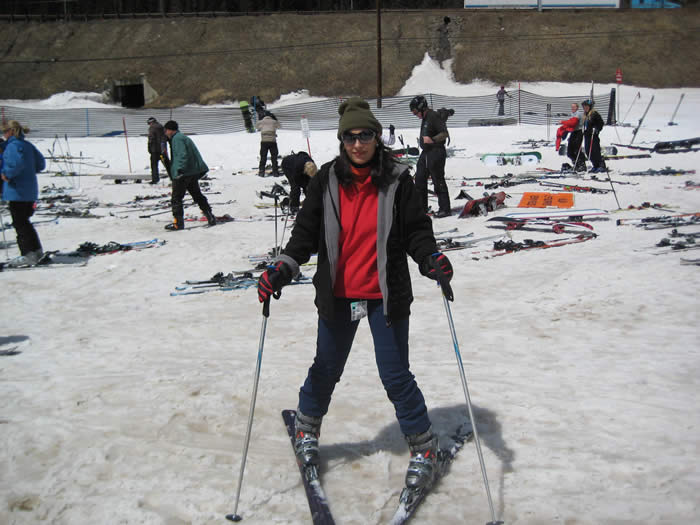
[431, 163]
[157, 148]
[299, 168]
[592, 125]
[362, 216]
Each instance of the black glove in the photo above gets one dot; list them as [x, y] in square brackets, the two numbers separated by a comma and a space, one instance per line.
[437, 267]
[272, 280]
[391, 129]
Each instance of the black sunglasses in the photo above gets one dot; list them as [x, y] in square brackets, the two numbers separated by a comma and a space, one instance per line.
[365, 137]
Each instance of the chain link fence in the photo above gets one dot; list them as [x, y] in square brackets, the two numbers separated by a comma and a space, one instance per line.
[520, 107]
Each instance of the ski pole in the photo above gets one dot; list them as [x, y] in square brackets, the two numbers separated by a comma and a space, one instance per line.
[670, 122]
[469, 407]
[580, 148]
[266, 313]
[284, 230]
[614, 192]
[4, 239]
[276, 251]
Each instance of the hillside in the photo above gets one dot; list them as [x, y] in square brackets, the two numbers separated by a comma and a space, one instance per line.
[208, 60]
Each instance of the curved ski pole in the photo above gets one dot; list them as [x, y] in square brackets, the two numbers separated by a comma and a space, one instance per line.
[4, 239]
[266, 313]
[477, 442]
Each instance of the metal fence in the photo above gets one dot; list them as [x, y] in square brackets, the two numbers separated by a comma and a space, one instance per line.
[520, 107]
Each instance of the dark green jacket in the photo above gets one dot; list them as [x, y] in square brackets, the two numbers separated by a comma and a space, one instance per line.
[186, 159]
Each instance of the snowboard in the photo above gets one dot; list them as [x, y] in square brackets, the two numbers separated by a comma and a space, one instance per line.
[511, 159]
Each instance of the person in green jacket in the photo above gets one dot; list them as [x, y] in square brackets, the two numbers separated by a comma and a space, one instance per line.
[186, 168]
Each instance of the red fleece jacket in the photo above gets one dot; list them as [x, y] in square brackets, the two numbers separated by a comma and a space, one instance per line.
[357, 276]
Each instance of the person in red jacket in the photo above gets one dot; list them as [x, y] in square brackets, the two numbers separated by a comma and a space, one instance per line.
[362, 216]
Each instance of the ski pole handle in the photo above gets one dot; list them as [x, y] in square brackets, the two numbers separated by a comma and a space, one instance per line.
[266, 308]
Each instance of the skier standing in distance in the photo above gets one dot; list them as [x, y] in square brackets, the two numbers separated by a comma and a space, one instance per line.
[592, 125]
[363, 216]
[431, 163]
[501, 98]
[186, 169]
[157, 148]
[268, 127]
[573, 146]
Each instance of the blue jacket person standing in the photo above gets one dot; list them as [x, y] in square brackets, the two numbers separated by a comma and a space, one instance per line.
[20, 163]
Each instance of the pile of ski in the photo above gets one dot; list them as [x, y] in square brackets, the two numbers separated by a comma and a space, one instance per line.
[450, 244]
[670, 146]
[663, 221]
[219, 282]
[506, 247]
[227, 282]
[663, 171]
[82, 254]
[575, 187]
[567, 215]
[548, 224]
[410, 498]
[508, 182]
[50, 260]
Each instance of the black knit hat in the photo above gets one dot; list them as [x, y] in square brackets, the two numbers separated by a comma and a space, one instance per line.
[355, 114]
[171, 124]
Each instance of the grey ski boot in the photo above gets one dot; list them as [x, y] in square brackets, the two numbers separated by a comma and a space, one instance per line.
[422, 467]
[307, 430]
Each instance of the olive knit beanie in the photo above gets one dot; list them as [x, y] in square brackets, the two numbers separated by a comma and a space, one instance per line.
[355, 114]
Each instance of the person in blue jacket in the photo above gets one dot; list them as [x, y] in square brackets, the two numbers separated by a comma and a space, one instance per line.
[20, 163]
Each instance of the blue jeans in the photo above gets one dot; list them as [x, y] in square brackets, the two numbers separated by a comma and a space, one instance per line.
[333, 345]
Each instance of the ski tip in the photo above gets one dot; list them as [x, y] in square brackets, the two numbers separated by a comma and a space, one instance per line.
[233, 517]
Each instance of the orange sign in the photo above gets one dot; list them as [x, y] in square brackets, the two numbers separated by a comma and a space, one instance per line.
[546, 200]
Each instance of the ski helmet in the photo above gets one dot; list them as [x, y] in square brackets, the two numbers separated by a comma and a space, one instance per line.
[418, 103]
[588, 102]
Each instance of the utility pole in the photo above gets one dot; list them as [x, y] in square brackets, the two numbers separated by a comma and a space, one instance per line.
[379, 54]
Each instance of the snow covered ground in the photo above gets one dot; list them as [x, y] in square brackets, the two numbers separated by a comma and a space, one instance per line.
[127, 405]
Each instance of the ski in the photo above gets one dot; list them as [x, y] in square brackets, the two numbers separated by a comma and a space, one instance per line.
[673, 220]
[445, 245]
[506, 247]
[410, 499]
[653, 172]
[318, 503]
[574, 187]
[555, 226]
[690, 262]
[50, 260]
[567, 214]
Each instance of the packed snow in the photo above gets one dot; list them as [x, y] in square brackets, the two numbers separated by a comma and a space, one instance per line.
[124, 404]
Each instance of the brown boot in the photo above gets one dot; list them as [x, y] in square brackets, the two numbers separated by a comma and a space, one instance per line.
[175, 225]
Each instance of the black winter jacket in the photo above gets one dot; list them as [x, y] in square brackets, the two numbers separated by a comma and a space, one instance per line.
[592, 122]
[402, 228]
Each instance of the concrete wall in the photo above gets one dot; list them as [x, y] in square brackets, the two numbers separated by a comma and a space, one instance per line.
[208, 60]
